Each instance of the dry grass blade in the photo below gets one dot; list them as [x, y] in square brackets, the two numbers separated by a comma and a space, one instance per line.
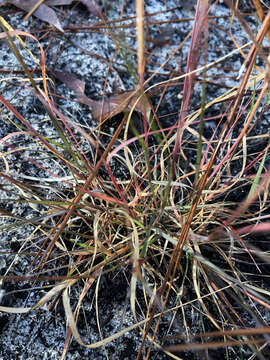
[260, 14]
[140, 38]
[199, 31]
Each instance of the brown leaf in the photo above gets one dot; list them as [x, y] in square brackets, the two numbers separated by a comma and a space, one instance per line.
[92, 7]
[110, 106]
[43, 12]
[72, 82]
[90, 4]
[58, 2]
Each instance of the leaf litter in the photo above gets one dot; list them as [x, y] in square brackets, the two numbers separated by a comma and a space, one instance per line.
[44, 12]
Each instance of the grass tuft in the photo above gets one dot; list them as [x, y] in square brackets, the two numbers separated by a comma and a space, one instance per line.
[180, 210]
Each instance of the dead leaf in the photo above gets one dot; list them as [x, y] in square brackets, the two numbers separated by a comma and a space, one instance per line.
[43, 12]
[58, 2]
[47, 14]
[72, 82]
[110, 106]
[92, 7]
[34, 8]
[90, 4]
